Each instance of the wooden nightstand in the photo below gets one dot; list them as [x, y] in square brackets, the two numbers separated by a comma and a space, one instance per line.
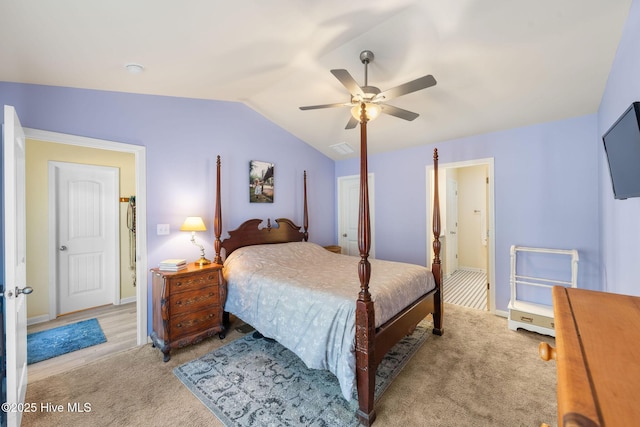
[334, 249]
[188, 306]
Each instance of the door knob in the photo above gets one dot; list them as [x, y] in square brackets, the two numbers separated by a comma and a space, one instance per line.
[26, 290]
[63, 248]
[344, 235]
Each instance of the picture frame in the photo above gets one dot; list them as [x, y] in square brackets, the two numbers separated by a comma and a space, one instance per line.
[261, 182]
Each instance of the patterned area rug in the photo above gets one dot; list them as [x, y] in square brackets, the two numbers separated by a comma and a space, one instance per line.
[257, 382]
[54, 342]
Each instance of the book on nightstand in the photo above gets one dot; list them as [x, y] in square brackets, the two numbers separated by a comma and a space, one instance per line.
[172, 265]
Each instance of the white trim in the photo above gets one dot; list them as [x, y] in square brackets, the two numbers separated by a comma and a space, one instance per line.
[128, 300]
[502, 313]
[38, 319]
[141, 209]
[489, 162]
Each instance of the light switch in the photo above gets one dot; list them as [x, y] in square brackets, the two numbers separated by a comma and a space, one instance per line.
[163, 229]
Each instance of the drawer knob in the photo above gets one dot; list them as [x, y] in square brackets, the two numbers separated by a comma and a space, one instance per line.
[546, 352]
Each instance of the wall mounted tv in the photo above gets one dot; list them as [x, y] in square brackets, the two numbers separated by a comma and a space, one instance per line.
[622, 147]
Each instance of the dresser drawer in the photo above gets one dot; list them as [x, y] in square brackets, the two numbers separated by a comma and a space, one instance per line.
[196, 281]
[194, 300]
[194, 322]
[534, 319]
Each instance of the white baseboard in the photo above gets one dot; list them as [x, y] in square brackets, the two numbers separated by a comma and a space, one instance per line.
[128, 300]
[38, 319]
[502, 313]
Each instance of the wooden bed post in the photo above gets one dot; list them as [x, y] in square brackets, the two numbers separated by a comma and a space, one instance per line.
[305, 221]
[217, 220]
[365, 315]
[436, 264]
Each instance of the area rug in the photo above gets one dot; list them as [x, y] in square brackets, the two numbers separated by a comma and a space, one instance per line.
[254, 381]
[54, 342]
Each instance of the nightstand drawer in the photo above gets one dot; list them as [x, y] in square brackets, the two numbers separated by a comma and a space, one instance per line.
[193, 282]
[194, 300]
[191, 323]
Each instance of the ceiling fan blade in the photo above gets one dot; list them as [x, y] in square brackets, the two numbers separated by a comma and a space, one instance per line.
[412, 86]
[353, 122]
[348, 82]
[399, 112]
[315, 107]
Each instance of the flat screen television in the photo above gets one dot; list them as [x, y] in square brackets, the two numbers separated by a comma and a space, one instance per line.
[622, 147]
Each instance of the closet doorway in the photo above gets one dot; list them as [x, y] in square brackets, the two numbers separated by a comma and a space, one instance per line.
[466, 205]
[39, 225]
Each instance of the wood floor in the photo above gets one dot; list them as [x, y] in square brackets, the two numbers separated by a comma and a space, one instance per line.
[118, 322]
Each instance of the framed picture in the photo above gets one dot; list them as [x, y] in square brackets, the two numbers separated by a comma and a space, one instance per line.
[260, 182]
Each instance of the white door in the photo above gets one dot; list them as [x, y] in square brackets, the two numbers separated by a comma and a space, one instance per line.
[15, 291]
[86, 215]
[348, 212]
[452, 226]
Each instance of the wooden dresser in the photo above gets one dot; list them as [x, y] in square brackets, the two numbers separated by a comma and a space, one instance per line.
[597, 357]
[187, 306]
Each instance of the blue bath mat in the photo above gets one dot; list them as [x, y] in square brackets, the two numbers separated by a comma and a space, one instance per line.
[63, 339]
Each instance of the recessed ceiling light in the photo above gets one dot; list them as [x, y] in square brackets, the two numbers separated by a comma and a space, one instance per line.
[134, 68]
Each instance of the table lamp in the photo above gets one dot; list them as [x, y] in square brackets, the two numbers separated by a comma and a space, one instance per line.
[193, 224]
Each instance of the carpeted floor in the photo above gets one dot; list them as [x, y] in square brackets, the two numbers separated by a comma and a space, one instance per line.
[479, 373]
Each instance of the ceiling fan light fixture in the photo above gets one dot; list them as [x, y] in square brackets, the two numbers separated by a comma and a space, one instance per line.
[371, 110]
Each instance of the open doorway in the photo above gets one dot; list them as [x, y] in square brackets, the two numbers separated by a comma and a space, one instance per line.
[468, 254]
[132, 304]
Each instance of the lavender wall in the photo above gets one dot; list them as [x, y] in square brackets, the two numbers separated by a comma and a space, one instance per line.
[182, 138]
[545, 194]
[620, 219]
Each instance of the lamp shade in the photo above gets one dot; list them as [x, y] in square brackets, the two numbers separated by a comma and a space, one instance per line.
[372, 111]
[193, 223]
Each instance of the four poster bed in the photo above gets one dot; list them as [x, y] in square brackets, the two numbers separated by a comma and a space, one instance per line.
[304, 296]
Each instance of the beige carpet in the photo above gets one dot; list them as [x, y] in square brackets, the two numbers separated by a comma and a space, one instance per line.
[479, 373]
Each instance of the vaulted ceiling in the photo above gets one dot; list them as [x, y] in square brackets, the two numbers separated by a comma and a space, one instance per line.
[499, 64]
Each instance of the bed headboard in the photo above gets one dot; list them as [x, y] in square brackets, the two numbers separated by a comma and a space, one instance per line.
[249, 233]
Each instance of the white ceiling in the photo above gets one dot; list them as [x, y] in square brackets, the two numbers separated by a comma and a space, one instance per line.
[499, 64]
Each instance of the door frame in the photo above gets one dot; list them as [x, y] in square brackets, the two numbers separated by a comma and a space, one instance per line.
[139, 153]
[489, 163]
[53, 232]
[372, 212]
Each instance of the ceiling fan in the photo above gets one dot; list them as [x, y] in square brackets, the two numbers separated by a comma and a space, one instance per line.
[373, 95]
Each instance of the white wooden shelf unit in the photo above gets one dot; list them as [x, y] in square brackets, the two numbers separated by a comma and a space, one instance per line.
[533, 316]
